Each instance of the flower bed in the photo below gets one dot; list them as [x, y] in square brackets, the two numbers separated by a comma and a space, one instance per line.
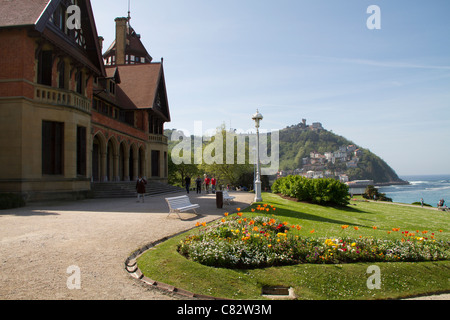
[256, 242]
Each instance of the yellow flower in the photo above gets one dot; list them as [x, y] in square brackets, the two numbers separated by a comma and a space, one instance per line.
[353, 244]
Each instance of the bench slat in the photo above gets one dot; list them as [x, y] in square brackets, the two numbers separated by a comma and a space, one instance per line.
[179, 204]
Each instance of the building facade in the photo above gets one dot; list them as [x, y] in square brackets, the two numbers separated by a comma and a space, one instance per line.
[67, 118]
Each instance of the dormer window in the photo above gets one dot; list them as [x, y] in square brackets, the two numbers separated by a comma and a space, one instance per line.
[112, 87]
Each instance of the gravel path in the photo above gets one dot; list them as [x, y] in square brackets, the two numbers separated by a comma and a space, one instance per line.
[40, 242]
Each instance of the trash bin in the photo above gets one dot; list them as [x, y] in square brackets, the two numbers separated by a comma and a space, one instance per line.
[219, 199]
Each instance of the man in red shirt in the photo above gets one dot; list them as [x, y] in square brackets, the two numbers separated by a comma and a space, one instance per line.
[213, 184]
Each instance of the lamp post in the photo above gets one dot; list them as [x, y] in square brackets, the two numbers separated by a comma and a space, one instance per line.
[257, 117]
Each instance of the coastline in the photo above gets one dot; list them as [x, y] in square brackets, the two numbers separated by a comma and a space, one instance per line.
[392, 183]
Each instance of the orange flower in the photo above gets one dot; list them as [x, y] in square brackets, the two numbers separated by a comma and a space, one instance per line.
[267, 209]
[440, 230]
[395, 229]
[424, 232]
[344, 227]
[253, 210]
[238, 209]
[299, 227]
[274, 209]
[251, 222]
[197, 224]
[204, 224]
[374, 228]
[226, 214]
[312, 231]
[223, 220]
[239, 214]
[356, 228]
[255, 229]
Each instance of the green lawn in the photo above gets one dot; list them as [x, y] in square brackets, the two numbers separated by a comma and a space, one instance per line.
[310, 281]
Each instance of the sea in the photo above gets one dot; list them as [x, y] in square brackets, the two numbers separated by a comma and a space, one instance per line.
[431, 188]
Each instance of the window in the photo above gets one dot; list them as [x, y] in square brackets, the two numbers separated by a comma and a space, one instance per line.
[112, 87]
[52, 148]
[79, 81]
[155, 163]
[45, 64]
[81, 151]
[62, 75]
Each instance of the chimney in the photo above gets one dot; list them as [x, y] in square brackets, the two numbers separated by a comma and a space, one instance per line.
[100, 41]
[121, 39]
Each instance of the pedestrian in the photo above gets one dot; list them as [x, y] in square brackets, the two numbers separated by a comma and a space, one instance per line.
[213, 184]
[421, 202]
[207, 181]
[198, 182]
[140, 188]
[187, 182]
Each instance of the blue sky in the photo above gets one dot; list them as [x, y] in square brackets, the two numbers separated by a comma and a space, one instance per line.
[387, 90]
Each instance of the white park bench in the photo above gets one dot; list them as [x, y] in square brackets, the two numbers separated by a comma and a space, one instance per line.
[227, 197]
[180, 204]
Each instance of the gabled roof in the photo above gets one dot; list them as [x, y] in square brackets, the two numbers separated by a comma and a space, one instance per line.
[134, 46]
[36, 14]
[15, 13]
[141, 84]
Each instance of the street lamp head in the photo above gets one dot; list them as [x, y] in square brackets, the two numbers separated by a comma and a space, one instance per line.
[257, 117]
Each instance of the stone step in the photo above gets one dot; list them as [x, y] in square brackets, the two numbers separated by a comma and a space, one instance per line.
[128, 189]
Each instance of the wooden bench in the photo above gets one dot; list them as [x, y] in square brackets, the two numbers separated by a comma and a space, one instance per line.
[180, 204]
[227, 197]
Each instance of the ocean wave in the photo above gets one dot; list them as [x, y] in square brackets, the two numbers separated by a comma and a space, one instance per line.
[438, 188]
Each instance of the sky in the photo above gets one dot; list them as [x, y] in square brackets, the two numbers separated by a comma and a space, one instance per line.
[386, 90]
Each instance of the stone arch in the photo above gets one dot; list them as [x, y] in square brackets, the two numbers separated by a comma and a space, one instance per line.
[124, 157]
[134, 162]
[142, 159]
[98, 157]
[112, 166]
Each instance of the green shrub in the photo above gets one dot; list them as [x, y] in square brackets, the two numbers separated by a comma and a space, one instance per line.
[320, 191]
[10, 201]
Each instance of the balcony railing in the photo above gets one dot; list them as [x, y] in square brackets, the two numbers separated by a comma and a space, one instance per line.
[158, 138]
[62, 97]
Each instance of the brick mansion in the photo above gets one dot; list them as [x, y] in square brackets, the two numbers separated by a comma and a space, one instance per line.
[71, 116]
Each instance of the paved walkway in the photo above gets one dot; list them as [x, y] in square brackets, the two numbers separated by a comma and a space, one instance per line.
[38, 243]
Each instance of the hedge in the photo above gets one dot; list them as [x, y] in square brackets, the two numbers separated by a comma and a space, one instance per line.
[325, 191]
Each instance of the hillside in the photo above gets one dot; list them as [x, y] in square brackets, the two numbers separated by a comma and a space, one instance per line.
[306, 148]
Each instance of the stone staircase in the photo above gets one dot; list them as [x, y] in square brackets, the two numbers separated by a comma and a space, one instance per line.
[123, 189]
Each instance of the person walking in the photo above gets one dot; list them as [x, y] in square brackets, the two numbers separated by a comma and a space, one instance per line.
[198, 182]
[207, 181]
[140, 188]
[187, 182]
[213, 184]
